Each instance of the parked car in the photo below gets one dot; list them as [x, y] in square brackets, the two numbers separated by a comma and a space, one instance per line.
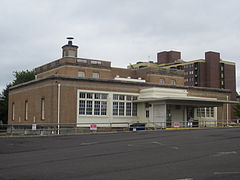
[137, 126]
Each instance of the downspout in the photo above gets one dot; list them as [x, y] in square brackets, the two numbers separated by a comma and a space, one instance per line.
[227, 111]
[58, 108]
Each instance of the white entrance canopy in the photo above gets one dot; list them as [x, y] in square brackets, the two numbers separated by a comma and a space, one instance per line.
[193, 101]
[178, 97]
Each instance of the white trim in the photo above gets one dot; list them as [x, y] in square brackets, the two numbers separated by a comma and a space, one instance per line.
[109, 118]
[58, 107]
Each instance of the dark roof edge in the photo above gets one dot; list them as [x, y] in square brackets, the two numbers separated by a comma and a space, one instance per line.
[60, 77]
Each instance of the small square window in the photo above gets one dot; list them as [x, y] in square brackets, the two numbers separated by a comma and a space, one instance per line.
[173, 82]
[82, 61]
[121, 97]
[162, 81]
[81, 74]
[129, 98]
[115, 97]
[95, 62]
[95, 75]
[82, 95]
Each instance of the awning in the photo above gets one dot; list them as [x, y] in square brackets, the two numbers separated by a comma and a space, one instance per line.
[190, 101]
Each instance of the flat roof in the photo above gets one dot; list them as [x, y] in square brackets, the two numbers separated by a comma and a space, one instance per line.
[148, 84]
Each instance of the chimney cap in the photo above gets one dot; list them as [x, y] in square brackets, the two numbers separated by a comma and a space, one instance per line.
[70, 43]
[70, 38]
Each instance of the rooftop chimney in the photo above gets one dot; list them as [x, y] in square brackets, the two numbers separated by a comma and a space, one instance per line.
[69, 50]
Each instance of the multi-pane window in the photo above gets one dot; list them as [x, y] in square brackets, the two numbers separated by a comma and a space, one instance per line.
[202, 112]
[198, 112]
[123, 105]
[205, 112]
[128, 109]
[92, 104]
[212, 111]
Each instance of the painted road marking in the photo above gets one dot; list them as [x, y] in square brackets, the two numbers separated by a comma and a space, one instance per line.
[225, 153]
[156, 142]
[87, 143]
[172, 147]
[222, 173]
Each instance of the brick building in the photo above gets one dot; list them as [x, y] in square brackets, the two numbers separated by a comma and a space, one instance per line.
[82, 91]
[209, 72]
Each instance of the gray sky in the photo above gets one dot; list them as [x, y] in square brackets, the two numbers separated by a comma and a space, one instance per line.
[32, 32]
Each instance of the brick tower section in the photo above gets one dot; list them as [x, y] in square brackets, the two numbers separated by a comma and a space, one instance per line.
[168, 57]
[230, 79]
[212, 69]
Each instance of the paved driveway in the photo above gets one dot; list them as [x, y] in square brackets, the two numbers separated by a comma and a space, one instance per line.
[182, 154]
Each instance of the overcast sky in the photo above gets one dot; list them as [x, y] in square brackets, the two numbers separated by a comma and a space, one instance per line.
[32, 32]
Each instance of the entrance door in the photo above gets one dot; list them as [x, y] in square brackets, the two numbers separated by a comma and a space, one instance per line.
[159, 115]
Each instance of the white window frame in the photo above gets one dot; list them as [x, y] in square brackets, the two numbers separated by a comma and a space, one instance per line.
[90, 100]
[122, 102]
[206, 112]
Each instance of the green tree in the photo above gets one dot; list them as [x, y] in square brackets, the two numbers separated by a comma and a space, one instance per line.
[19, 77]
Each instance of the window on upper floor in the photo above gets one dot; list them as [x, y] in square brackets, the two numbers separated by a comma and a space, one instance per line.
[95, 75]
[173, 82]
[96, 62]
[162, 81]
[81, 74]
[81, 60]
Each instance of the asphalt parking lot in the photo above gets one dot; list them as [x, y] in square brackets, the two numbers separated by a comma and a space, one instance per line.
[179, 154]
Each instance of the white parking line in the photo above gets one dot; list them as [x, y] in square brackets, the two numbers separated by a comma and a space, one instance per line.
[221, 173]
[225, 153]
[156, 142]
[172, 147]
[87, 143]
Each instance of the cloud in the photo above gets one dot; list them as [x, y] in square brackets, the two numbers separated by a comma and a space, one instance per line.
[32, 32]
